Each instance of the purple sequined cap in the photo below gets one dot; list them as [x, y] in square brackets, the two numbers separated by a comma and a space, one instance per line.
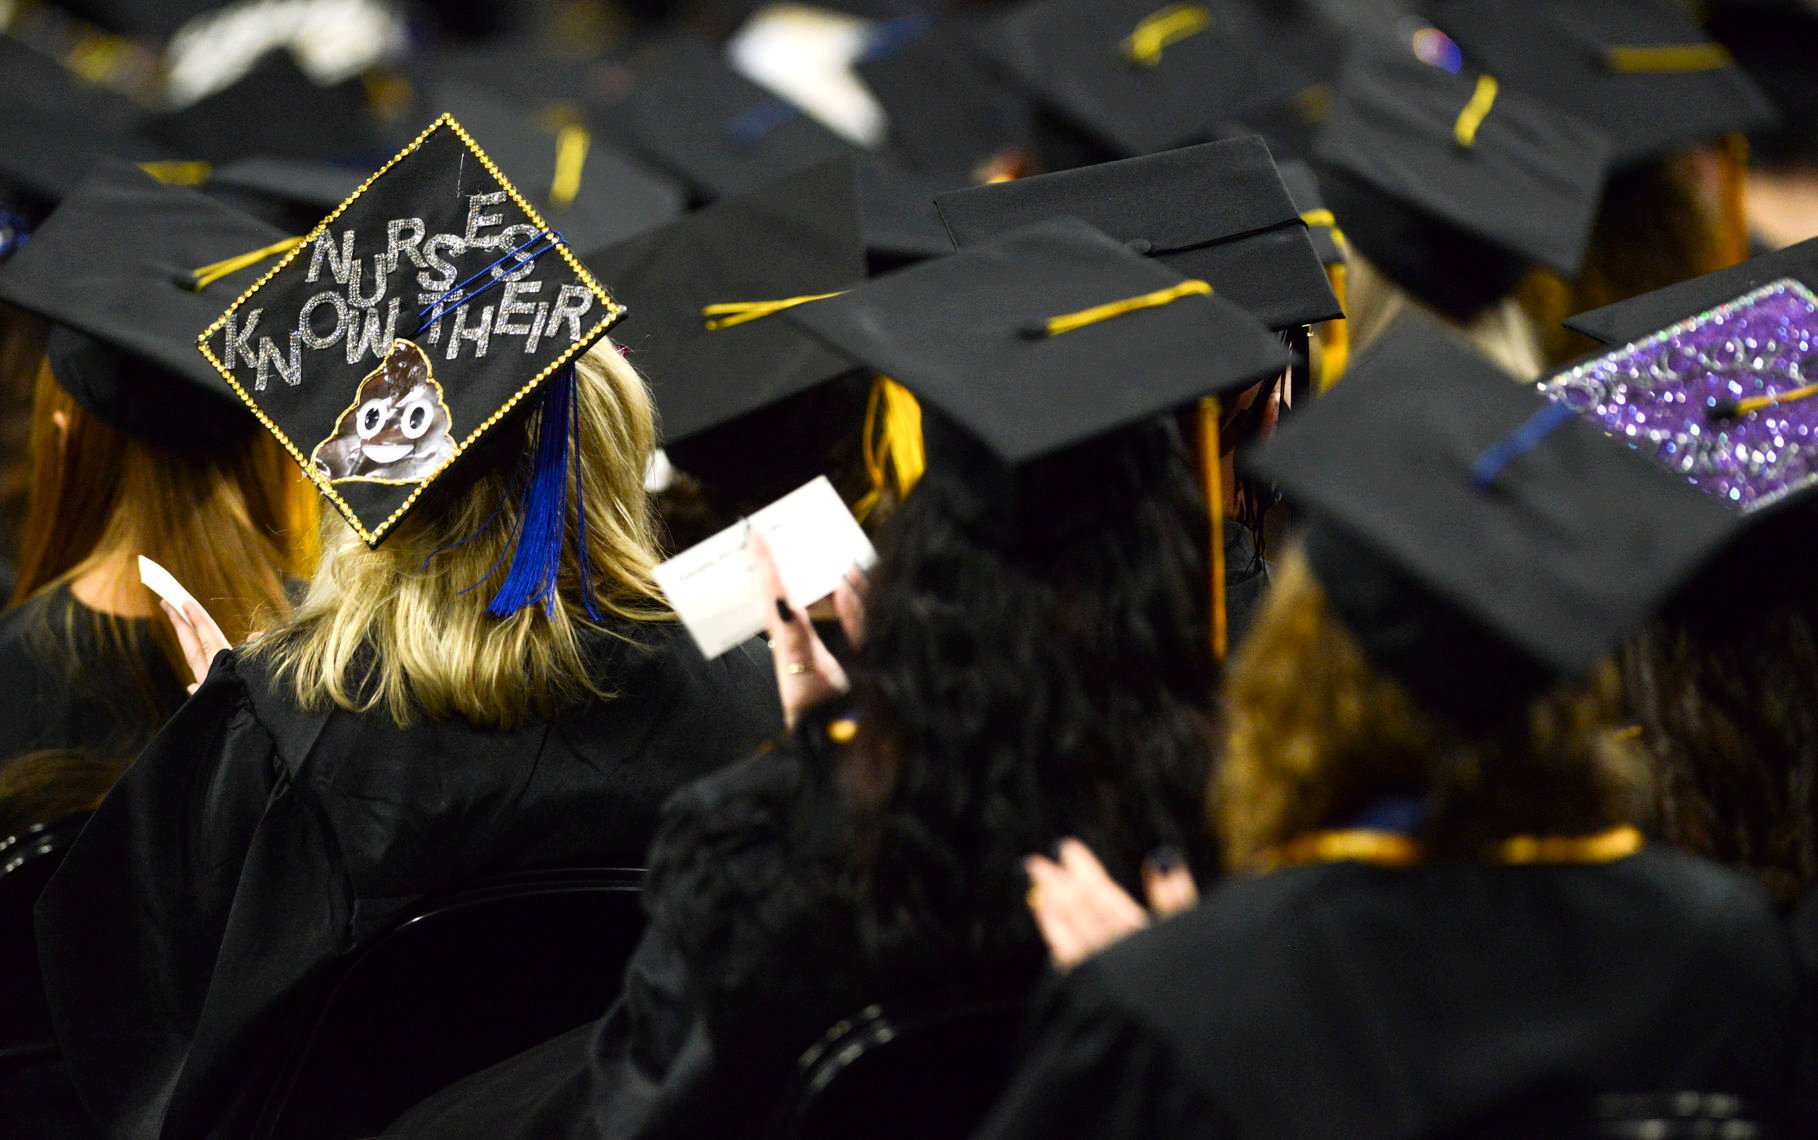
[1659, 394]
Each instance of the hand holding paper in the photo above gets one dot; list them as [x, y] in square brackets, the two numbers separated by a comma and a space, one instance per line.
[715, 588]
[197, 632]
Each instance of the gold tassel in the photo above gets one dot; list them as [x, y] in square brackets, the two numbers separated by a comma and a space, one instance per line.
[1212, 472]
[891, 444]
[572, 142]
[1335, 338]
[206, 275]
[1163, 29]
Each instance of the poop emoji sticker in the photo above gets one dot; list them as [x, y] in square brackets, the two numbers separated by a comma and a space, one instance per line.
[427, 312]
[397, 430]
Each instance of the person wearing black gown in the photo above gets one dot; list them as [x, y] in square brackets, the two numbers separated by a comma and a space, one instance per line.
[1451, 928]
[1035, 661]
[404, 732]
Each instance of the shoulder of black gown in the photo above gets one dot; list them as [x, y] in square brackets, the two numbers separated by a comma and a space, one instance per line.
[1089, 1067]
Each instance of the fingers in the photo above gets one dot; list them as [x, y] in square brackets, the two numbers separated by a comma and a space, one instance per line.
[1077, 906]
[189, 641]
[849, 604]
[1168, 884]
[806, 672]
[209, 633]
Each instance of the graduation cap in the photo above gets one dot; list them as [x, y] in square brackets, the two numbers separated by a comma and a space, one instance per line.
[1322, 224]
[708, 288]
[948, 116]
[1217, 211]
[897, 214]
[1479, 542]
[291, 193]
[429, 308]
[1722, 399]
[1457, 187]
[1637, 317]
[110, 269]
[274, 109]
[1139, 76]
[722, 133]
[1642, 71]
[54, 128]
[580, 181]
[1030, 353]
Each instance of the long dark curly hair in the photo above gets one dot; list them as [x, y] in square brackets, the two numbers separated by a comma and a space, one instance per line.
[1728, 708]
[1012, 693]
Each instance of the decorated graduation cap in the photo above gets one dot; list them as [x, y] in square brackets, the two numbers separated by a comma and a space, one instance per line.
[708, 290]
[427, 310]
[1138, 76]
[1642, 71]
[110, 270]
[581, 182]
[1029, 351]
[719, 131]
[1479, 542]
[1638, 317]
[1456, 187]
[1217, 211]
[1723, 399]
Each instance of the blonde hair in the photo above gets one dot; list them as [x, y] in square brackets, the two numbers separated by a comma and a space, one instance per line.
[404, 627]
[1503, 332]
[1316, 733]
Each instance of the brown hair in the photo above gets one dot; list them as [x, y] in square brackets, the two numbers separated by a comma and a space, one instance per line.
[229, 522]
[1316, 734]
[1655, 228]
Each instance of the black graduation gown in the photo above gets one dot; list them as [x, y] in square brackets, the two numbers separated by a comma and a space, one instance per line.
[252, 846]
[63, 686]
[1356, 1001]
[751, 953]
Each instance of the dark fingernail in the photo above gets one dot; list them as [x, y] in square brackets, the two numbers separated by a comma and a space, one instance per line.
[784, 611]
[1054, 850]
[1167, 860]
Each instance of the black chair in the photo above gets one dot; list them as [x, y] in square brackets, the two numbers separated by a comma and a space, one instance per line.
[27, 862]
[927, 1073]
[475, 977]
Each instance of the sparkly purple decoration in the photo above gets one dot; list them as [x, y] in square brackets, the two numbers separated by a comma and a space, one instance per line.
[1659, 394]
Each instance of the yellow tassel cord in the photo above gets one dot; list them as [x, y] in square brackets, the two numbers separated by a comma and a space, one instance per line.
[1662, 59]
[1334, 336]
[1734, 203]
[178, 173]
[1162, 29]
[1393, 849]
[1774, 399]
[572, 142]
[207, 275]
[730, 314]
[893, 451]
[1212, 470]
[1475, 112]
[1067, 322]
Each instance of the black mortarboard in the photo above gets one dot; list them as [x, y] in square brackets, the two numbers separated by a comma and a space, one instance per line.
[1217, 211]
[1479, 543]
[274, 109]
[723, 134]
[1775, 42]
[55, 127]
[426, 309]
[1027, 350]
[159, 19]
[1639, 70]
[291, 193]
[797, 238]
[1456, 187]
[1322, 224]
[948, 116]
[581, 182]
[1637, 317]
[897, 213]
[1139, 75]
[111, 269]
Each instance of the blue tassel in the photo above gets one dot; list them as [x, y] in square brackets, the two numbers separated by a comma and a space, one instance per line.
[536, 562]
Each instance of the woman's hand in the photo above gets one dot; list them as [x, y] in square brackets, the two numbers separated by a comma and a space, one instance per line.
[807, 673]
[1081, 909]
[199, 636]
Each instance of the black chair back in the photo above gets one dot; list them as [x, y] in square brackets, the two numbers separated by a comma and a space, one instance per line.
[27, 862]
[927, 1073]
[473, 978]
